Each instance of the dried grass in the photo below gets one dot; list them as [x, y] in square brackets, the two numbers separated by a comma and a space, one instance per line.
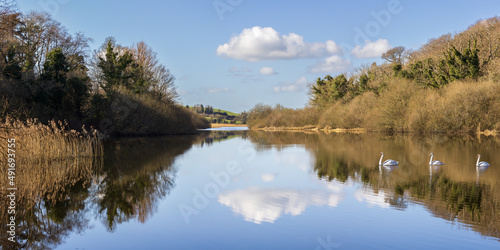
[403, 106]
[49, 158]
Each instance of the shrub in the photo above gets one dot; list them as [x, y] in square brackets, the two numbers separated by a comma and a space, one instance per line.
[392, 105]
[349, 115]
[279, 116]
[129, 113]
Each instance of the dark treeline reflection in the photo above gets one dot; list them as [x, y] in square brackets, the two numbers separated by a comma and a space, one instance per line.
[218, 136]
[137, 173]
[456, 191]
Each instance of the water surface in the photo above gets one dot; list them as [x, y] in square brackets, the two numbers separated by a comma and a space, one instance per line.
[270, 190]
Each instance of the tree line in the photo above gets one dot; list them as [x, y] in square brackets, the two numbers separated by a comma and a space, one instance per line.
[48, 73]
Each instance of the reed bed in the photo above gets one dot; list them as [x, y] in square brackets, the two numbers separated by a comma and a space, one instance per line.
[49, 158]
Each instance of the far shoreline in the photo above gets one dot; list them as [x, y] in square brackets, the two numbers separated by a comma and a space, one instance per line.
[220, 125]
[328, 130]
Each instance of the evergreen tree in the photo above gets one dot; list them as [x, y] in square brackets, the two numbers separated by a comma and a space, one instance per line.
[328, 90]
[55, 66]
[114, 66]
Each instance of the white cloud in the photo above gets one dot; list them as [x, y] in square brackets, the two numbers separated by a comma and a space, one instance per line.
[333, 48]
[371, 49]
[267, 177]
[267, 71]
[331, 64]
[298, 85]
[259, 205]
[258, 43]
[218, 90]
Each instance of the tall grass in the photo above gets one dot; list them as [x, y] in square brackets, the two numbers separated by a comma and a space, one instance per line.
[47, 157]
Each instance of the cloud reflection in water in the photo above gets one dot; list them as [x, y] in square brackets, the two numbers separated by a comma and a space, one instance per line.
[259, 205]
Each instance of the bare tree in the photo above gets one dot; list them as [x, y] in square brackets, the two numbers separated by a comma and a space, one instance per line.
[41, 34]
[7, 7]
[394, 55]
[433, 48]
[160, 80]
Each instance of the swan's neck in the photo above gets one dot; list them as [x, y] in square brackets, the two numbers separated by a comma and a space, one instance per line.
[380, 162]
[477, 163]
[430, 162]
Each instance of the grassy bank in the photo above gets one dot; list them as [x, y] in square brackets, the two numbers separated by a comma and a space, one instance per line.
[220, 125]
[403, 106]
[313, 129]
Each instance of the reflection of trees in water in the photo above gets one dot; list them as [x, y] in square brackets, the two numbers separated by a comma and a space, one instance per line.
[452, 192]
[138, 172]
[218, 136]
[329, 167]
[46, 223]
[123, 199]
[460, 198]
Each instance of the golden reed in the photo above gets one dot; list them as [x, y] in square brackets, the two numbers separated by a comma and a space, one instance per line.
[49, 158]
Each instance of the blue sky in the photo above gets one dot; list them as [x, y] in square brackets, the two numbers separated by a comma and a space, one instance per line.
[233, 54]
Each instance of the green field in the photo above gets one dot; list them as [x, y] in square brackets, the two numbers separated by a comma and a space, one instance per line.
[228, 112]
[218, 115]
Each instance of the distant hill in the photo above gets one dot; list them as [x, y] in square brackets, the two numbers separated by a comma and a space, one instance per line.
[219, 115]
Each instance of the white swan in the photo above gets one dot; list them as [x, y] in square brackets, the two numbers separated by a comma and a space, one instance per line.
[434, 162]
[387, 162]
[482, 163]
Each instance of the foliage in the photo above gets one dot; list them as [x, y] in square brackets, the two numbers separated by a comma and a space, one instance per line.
[129, 113]
[48, 73]
[454, 66]
[328, 90]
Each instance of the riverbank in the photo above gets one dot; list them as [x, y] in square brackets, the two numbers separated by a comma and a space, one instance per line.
[220, 125]
[328, 130]
[312, 128]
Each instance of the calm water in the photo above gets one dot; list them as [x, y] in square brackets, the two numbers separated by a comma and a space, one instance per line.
[257, 190]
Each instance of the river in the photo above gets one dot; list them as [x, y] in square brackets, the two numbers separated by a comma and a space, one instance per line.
[240, 189]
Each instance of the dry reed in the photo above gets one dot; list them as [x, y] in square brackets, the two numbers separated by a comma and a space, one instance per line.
[49, 158]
